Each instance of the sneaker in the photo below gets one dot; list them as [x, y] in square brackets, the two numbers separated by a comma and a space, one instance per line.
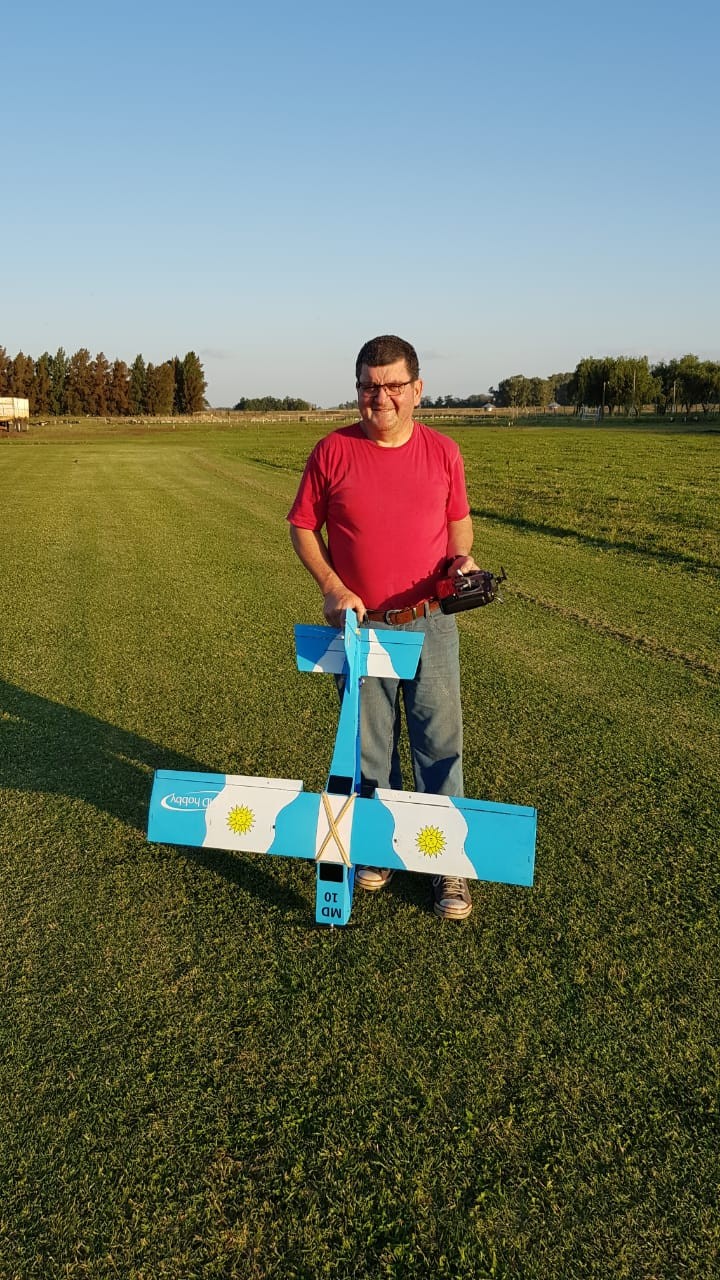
[373, 877]
[451, 897]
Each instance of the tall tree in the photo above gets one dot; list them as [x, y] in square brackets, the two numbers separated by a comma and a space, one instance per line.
[119, 389]
[697, 382]
[179, 392]
[559, 384]
[666, 376]
[713, 386]
[79, 383]
[588, 383]
[630, 383]
[137, 386]
[4, 372]
[100, 382]
[22, 371]
[514, 392]
[193, 384]
[160, 388]
[58, 382]
[42, 385]
[151, 397]
[539, 392]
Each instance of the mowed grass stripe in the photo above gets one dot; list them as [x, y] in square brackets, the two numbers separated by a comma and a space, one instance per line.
[635, 491]
[647, 644]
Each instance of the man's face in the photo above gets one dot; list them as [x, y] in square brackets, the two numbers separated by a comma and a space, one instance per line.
[387, 415]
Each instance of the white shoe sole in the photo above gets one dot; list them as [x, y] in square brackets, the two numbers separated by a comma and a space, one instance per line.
[373, 885]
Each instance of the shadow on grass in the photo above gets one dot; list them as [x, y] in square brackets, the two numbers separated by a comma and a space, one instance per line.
[662, 554]
[248, 874]
[57, 750]
[410, 888]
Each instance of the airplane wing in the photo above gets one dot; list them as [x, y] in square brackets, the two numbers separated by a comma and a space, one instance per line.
[433, 835]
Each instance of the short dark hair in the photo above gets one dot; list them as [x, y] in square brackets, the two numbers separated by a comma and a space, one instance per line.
[386, 350]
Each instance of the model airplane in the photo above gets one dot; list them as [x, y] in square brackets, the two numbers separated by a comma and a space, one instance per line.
[342, 827]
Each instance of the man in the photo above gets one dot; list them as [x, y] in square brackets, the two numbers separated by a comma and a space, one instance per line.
[390, 494]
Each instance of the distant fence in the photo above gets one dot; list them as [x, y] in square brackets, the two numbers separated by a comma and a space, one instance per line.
[14, 415]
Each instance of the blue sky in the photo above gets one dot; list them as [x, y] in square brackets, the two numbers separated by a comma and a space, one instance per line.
[511, 187]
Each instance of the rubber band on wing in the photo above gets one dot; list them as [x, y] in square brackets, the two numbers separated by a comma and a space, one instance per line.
[333, 833]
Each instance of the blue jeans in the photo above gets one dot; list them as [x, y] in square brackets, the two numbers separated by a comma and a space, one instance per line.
[432, 712]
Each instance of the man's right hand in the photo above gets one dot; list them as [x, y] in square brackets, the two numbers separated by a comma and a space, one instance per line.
[336, 602]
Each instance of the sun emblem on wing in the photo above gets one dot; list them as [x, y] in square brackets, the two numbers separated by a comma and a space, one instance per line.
[241, 819]
[430, 841]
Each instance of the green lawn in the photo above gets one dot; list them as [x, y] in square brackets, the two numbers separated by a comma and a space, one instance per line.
[195, 1080]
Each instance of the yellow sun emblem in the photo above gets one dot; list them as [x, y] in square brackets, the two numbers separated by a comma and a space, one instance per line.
[430, 841]
[241, 819]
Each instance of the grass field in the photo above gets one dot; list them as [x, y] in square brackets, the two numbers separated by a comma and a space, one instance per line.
[198, 1082]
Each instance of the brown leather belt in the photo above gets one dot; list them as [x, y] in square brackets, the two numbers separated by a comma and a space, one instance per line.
[399, 617]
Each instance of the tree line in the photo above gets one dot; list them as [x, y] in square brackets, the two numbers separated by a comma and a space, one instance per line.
[621, 384]
[475, 401]
[82, 384]
[268, 404]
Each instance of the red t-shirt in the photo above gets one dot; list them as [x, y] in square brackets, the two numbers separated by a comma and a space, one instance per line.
[386, 511]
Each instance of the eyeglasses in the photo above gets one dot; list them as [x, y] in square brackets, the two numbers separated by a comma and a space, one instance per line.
[370, 389]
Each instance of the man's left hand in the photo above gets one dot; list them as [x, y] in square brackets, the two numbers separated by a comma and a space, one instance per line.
[461, 563]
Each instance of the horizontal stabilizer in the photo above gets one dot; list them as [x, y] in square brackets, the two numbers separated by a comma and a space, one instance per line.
[380, 653]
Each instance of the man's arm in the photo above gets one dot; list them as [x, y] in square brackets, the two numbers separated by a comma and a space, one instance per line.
[459, 545]
[313, 554]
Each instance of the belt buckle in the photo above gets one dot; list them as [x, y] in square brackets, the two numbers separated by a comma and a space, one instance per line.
[421, 610]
